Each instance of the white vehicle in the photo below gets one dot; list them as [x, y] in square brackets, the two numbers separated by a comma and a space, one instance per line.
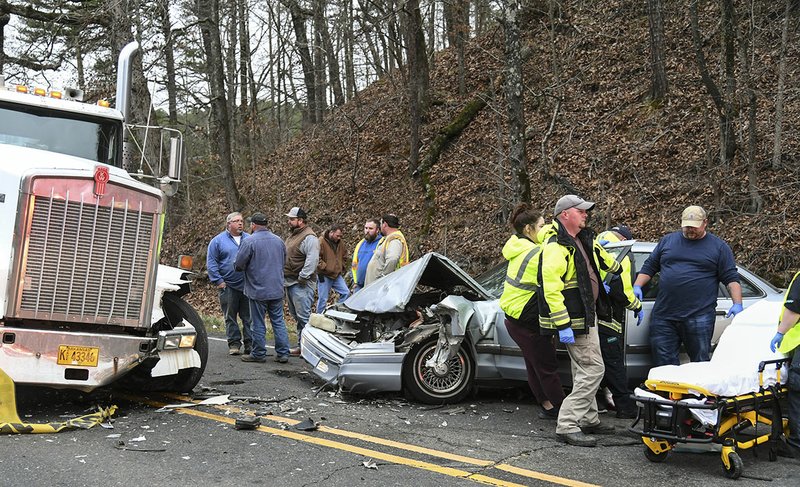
[84, 300]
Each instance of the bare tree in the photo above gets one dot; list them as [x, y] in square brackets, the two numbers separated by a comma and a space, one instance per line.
[165, 23]
[777, 147]
[655, 18]
[299, 16]
[418, 77]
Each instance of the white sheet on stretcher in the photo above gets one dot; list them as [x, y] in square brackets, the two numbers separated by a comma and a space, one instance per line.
[733, 369]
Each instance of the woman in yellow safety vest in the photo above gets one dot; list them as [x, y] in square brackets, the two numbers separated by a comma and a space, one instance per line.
[787, 341]
[519, 303]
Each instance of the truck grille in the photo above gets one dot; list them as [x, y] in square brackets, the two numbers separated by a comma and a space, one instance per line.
[88, 261]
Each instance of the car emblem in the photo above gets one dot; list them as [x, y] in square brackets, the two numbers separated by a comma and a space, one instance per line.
[100, 179]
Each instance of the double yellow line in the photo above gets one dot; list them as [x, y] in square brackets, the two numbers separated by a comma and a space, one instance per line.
[388, 457]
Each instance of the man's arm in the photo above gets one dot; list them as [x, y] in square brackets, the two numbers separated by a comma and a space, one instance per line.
[310, 247]
[243, 257]
[393, 252]
[736, 292]
[212, 264]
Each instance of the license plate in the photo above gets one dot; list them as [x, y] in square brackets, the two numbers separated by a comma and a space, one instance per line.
[82, 356]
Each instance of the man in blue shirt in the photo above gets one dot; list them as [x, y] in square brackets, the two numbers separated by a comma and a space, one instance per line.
[221, 254]
[691, 264]
[262, 257]
[364, 250]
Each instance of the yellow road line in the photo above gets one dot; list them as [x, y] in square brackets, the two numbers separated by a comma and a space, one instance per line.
[418, 449]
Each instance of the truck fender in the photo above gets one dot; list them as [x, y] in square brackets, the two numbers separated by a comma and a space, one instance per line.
[172, 280]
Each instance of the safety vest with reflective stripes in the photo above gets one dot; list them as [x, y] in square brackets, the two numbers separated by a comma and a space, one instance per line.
[791, 339]
[397, 235]
[520, 284]
[564, 300]
[626, 279]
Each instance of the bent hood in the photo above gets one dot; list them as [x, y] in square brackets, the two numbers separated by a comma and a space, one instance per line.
[391, 293]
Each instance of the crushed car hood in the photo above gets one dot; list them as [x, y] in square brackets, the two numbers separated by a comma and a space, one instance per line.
[391, 293]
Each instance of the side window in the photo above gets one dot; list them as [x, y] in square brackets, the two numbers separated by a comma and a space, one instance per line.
[749, 290]
[650, 290]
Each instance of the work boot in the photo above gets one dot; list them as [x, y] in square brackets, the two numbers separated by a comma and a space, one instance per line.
[250, 358]
[281, 359]
[294, 352]
[626, 414]
[551, 413]
[599, 429]
[577, 438]
[234, 351]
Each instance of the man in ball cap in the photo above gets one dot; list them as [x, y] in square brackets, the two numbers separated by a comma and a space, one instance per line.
[571, 301]
[691, 264]
[302, 257]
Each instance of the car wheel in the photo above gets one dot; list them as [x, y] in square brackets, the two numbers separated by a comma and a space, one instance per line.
[449, 384]
[139, 379]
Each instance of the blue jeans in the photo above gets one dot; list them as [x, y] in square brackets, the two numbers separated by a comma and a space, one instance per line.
[234, 303]
[794, 399]
[273, 307]
[300, 297]
[324, 289]
[695, 333]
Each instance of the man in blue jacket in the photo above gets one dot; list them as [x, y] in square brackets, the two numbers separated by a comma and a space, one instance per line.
[364, 250]
[221, 254]
[691, 264]
[261, 257]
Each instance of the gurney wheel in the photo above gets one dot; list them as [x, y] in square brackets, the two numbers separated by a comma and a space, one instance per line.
[655, 457]
[736, 466]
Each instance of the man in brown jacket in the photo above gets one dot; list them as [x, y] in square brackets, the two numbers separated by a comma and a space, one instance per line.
[331, 266]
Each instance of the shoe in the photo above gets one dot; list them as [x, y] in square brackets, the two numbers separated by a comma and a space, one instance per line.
[247, 351]
[282, 359]
[234, 351]
[294, 352]
[577, 439]
[551, 413]
[250, 358]
[599, 429]
[627, 414]
[785, 450]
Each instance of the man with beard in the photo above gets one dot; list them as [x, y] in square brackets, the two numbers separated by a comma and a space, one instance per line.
[300, 271]
[363, 252]
[691, 264]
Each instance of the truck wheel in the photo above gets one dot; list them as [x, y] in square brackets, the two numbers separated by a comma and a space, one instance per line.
[139, 379]
[176, 310]
[451, 384]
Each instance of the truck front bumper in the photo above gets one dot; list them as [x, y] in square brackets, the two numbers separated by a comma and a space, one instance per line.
[42, 357]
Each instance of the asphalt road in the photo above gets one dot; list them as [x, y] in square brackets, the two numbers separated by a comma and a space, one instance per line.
[494, 438]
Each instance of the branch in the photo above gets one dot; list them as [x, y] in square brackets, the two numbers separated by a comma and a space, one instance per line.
[75, 20]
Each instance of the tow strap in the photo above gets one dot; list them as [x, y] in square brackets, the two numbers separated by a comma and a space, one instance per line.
[10, 423]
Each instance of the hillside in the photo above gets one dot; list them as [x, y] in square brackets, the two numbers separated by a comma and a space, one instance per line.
[641, 163]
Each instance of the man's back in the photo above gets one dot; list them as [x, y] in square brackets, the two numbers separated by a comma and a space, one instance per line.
[262, 256]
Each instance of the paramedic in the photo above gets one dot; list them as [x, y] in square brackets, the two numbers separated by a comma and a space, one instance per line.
[518, 301]
[787, 340]
[570, 301]
[691, 264]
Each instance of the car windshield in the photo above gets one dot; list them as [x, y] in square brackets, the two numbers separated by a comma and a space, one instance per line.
[67, 133]
[493, 279]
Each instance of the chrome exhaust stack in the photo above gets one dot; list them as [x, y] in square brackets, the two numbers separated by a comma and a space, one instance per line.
[124, 77]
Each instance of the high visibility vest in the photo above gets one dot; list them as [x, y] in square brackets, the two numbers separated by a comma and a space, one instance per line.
[520, 283]
[791, 339]
[398, 235]
[626, 277]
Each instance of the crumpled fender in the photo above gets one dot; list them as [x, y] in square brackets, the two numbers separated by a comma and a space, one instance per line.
[168, 279]
[455, 313]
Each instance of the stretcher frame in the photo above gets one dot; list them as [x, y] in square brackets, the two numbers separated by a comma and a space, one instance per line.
[661, 428]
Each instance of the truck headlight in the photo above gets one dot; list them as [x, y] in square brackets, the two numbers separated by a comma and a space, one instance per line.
[179, 337]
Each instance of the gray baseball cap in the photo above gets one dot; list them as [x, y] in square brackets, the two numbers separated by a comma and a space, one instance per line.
[572, 201]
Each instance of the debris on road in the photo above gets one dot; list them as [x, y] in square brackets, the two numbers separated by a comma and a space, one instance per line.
[307, 425]
[370, 464]
[16, 426]
[247, 423]
[211, 401]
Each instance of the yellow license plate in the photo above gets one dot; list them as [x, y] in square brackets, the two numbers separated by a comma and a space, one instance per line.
[82, 356]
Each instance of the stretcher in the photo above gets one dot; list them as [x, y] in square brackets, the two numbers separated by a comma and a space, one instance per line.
[732, 402]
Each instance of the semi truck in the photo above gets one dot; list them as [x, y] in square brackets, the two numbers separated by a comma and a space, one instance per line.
[85, 301]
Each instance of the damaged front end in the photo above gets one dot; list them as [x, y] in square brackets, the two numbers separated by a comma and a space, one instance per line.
[361, 344]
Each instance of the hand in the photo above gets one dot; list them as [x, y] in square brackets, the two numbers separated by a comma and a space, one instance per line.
[566, 336]
[607, 287]
[637, 291]
[222, 285]
[603, 242]
[776, 341]
[735, 310]
[639, 314]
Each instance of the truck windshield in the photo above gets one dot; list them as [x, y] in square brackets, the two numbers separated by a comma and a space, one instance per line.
[73, 134]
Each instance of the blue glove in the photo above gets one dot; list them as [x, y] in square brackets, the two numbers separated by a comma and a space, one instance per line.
[639, 316]
[607, 287]
[603, 243]
[776, 341]
[735, 310]
[637, 291]
[566, 336]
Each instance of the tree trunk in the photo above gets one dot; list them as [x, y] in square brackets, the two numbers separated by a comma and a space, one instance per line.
[169, 61]
[655, 17]
[302, 46]
[349, 41]
[777, 147]
[230, 66]
[418, 78]
[331, 58]
[207, 12]
[514, 89]
[246, 122]
[461, 17]
[320, 80]
[5, 18]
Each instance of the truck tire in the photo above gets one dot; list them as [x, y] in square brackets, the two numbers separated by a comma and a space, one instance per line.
[139, 379]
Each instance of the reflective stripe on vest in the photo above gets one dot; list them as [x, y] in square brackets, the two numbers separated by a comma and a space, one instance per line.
[517, 280]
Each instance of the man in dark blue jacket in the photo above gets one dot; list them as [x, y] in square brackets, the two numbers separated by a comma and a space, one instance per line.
[262, 257]
[221, 254]
[364, 250]
[691, 264]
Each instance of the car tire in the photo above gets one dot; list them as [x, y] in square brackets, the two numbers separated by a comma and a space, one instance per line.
[139, 379]
[450, 385]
